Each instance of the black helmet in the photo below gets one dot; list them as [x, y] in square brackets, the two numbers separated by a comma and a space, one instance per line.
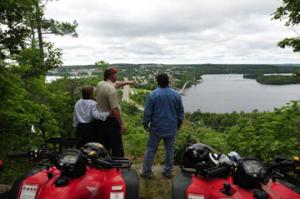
[249, 173]
[195, 154]
[94, 150]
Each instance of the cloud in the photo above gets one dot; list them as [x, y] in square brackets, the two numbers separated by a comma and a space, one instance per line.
[172, 31]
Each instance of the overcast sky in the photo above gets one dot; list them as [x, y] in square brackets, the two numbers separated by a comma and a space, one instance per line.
[172, 31]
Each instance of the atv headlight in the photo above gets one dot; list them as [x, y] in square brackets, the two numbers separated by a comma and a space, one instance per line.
[195, 196]
[28, 191]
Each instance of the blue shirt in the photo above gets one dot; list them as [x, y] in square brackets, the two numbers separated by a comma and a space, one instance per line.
[163, 111]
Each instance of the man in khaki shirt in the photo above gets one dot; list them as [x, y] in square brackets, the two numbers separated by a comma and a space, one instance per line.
[108, 101]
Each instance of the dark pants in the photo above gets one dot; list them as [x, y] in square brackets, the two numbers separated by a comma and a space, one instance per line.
[85, 132]
[109, 134]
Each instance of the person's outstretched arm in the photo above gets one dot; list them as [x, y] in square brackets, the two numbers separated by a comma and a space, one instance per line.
[119, 84]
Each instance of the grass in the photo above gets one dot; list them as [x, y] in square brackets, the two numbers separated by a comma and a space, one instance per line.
[158, 187]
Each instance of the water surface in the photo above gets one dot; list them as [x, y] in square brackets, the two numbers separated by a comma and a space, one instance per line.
[228, 93]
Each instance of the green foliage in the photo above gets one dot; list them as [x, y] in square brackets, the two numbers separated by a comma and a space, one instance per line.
[275, 79]
[252, 76]
[140, 96]
[25, 100]
[290, 12]
[13, 26]
[278, 79]
[135, 136]
[129, 109]
[290, 42]
[191, 133]
[52, 26]
[14, 101]
[102, 64]
[30, 61]
[265, 135]
[218, 122]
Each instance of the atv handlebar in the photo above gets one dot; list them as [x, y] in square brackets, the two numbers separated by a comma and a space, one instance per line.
[283, 165]
[37, 154]
[113, 163]
[216, 172]
[53, 155]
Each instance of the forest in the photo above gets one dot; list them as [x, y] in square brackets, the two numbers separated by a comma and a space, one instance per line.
[29, 106]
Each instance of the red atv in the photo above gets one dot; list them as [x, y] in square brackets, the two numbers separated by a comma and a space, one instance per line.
[206, 175]
[284, 178]
[88, 173]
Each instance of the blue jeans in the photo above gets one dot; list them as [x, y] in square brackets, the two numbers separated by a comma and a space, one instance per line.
[153, 142]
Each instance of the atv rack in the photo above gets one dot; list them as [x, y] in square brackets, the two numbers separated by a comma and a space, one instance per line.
[222, 171]
[113, 162]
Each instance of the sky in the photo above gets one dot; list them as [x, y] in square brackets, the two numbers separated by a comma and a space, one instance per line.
[172, 31]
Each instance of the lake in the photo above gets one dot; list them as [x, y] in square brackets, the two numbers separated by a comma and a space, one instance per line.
[228, 93]
[52, 78]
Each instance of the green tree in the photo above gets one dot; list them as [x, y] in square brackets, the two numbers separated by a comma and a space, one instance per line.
[22, 26]
[25, 99]
[102, 64]
[13, 26]
[290, 13]
[40, 26]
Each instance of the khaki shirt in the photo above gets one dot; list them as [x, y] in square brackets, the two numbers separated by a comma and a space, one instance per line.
[107, 96]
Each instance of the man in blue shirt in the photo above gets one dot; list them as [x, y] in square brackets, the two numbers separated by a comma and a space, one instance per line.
[163, 116]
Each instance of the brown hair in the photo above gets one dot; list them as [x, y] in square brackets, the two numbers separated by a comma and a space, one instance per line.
[109, 71]
[87, 92]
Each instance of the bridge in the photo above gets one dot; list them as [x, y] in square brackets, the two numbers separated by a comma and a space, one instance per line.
[127, 91]
[183, 88]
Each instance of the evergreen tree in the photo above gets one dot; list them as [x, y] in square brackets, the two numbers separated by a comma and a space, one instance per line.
[290, 12]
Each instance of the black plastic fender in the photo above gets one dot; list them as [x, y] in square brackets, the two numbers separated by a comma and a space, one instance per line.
[132, 183]
[180, 184]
